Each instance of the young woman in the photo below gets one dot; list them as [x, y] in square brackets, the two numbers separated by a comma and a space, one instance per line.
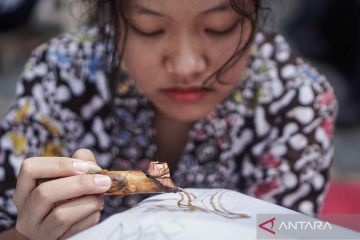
[193, 83]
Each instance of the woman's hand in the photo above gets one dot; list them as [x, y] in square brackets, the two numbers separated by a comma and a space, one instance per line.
[61, 207]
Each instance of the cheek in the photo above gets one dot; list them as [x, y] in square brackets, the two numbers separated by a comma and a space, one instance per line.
[141, 63]
[238, 70]
[221, 51]
[224, 51]
[134, 57]
[142, 49]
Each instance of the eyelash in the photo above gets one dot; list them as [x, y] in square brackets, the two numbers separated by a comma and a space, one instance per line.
[210, 31]
[222, 33]
[145, 34]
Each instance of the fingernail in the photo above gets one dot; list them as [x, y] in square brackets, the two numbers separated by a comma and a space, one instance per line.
[102, 181]
[85, 167]
[81, 166]
[94, 168]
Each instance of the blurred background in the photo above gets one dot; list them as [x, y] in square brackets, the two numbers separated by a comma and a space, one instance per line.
[325, 33]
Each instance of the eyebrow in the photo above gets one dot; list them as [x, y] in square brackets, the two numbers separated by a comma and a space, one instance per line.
[219, 8]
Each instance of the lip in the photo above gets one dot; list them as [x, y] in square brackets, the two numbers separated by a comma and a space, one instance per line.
[186, 95]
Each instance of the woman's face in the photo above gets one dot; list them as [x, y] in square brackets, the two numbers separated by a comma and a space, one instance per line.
[173, 46]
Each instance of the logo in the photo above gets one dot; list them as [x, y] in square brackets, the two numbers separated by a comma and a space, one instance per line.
[268, 222]
[299, 226]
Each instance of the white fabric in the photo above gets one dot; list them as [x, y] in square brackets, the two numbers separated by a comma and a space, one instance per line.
[159, 217]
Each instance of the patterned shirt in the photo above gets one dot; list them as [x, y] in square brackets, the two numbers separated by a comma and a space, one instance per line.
[271, 137]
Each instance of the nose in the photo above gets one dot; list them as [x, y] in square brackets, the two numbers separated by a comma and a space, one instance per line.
[186, 59]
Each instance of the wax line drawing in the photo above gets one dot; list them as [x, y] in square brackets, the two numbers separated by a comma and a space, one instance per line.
[172, 216]
[155, 231]
[211, 203]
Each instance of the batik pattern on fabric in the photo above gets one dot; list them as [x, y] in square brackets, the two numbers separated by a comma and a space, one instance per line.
[271, 138]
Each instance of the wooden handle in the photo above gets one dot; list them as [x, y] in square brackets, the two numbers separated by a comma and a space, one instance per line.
[136, 181]
[130, 182]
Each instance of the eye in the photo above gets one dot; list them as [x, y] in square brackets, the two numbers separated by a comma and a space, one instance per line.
[148, 34]
[222, 32]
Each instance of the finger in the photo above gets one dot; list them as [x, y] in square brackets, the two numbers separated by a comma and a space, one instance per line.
[47, 167]
[85, 154]
[64, 216]
[82, 225]
[62, 189]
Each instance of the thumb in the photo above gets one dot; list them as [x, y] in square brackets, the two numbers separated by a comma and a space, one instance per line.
[84, 154]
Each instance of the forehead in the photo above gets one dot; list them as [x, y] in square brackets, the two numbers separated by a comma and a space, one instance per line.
[176, 7]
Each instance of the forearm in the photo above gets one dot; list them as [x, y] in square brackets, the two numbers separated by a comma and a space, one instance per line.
[12, 234]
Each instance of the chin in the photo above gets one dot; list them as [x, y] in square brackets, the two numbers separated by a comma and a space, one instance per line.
[186, 114]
